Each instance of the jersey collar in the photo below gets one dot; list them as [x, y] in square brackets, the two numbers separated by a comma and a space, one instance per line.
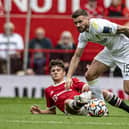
[57, 84]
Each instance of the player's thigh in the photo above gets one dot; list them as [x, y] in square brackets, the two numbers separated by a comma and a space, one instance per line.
[125, 74]
[95, 70]
[101, 63]
[123, 64]
[126, 86]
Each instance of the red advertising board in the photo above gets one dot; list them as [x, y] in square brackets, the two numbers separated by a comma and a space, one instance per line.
[60, 7]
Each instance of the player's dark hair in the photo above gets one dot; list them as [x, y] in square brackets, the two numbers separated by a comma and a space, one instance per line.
[79, 12]
[57, 62]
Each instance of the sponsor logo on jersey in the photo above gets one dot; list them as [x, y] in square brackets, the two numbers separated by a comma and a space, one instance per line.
[95, 25]
[55, 96]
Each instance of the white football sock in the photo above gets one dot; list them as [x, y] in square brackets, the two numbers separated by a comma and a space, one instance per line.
[94, 87]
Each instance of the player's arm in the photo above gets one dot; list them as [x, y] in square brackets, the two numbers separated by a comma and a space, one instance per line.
[50, 104]
[123, 30]
[73, 66]
[102, 26]
[107, 27]
[79, 85]
[36, 110]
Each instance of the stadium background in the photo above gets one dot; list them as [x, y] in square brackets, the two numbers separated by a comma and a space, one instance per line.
[54, 16]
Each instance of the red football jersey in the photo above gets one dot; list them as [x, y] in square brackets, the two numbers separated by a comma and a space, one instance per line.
[56, 95]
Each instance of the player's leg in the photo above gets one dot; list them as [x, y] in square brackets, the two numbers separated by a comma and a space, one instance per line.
[123, 64]
[71, 106]
[114, 100]
[125, 73]
[94, 71]
[126, 86]
[100, 64]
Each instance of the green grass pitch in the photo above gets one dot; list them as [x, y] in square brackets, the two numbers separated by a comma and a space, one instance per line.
[14, 114]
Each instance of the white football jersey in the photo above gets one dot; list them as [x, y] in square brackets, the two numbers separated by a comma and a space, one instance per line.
[103, 32]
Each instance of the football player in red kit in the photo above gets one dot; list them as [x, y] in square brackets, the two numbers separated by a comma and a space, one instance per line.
[58, 96]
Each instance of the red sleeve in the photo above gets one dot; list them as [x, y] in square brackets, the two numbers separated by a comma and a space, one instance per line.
[77, 84]
[49, 100]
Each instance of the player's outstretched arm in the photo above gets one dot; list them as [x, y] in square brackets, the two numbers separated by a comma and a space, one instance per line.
[123, 30]
[36, 110]
[73, 66]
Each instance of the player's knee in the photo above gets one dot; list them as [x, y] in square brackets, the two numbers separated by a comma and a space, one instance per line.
[90, 76]
[126, 91]
[126, 87]
[66, 102]
[105, 93]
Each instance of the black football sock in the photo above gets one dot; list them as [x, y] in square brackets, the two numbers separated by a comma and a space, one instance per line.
[116, 101]
[124, 106]
[77, 105]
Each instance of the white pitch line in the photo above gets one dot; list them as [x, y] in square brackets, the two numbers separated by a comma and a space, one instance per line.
[64, 122]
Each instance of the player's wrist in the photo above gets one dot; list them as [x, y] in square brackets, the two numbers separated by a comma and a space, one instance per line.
[68, 77]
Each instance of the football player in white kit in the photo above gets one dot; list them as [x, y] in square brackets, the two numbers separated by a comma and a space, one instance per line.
[114, 37]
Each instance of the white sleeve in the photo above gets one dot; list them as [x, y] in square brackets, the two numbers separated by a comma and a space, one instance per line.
[20, 44]
[98, 26]
[81, 41]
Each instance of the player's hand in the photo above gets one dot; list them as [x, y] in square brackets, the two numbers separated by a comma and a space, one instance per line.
[35, 109]
[85, 88]
[68, 83]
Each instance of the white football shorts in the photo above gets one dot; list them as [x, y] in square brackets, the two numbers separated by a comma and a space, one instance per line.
[119, 58]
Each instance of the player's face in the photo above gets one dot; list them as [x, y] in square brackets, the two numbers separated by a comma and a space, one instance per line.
[82, 23]
[57, 74]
